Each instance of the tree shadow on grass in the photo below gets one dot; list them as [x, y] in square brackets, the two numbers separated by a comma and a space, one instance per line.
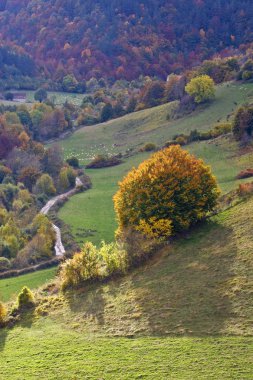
[184, 292]
[26, 320]
[3, 337]
[92, 305]
[181, 291]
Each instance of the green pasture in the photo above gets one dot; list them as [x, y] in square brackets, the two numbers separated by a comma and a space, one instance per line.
[91, 214]
[48, 351]
[152, 125]
[10, 287]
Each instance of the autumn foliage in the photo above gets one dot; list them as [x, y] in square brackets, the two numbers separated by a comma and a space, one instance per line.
[92, 264]
[3, 313]
[166, 194]
[201, 88]
[117, 38]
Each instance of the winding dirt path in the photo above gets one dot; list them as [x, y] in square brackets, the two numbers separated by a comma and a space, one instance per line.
[59, 247]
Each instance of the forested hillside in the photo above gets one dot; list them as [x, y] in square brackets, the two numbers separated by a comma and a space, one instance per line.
[123, 39]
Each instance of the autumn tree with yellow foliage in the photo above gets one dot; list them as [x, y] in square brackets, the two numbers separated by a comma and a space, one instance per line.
[201, 88]
[166, 194]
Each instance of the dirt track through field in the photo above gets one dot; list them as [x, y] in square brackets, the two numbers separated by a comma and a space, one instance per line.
[59, 247]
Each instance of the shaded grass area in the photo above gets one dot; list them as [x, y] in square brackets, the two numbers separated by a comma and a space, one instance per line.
[49, 351]
[10, 287]
[152, 125]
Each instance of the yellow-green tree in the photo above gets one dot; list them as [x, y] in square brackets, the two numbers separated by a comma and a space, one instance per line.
[25, 299]
[3, 313]
[93, 263]
[201, 88]
[166, 194]
[45, 185]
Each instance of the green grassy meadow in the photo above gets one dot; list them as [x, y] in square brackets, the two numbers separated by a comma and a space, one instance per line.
[9, 288]
[91, 214]
[47, 351]
[199, 285]
[151, 125]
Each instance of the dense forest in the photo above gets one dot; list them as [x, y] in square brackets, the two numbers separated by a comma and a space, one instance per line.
[152, 37]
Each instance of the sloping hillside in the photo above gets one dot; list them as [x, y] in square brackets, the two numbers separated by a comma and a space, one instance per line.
[86, 213]
[201, 284]
[187, 313]
[152, 125]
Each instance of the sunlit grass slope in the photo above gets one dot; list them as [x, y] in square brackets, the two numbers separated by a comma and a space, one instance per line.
[151, 125]
[49, 351]
[186, 314]
[201, 284]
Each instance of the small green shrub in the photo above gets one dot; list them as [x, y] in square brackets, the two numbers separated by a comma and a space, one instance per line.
[221, 129]
[74, 162]
[25, 299]
[181, 140]
[149, 147]
[169, 143]
[104, 161]
[4, 264]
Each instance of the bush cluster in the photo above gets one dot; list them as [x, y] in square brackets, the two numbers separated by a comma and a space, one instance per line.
[104, 161]
[93, 263]
[148, 147]
[218, 130]
[247, 173]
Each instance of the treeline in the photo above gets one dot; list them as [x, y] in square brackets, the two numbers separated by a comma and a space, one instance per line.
[125, 97]
[124, 39]
[30, 175]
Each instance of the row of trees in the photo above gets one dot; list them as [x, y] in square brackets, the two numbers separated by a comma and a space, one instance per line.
[29, 175]
[191, 88]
